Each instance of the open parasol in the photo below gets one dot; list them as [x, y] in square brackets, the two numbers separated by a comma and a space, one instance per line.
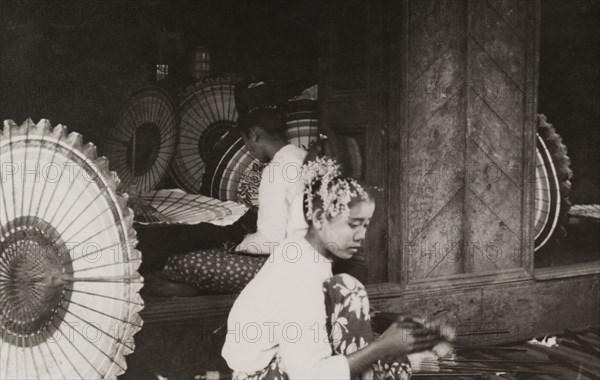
[207, 112]
[69, 285]
[547, 198]
[234, 174]
[302, 123]
[552, 184]
[179, 207]
[141, 144]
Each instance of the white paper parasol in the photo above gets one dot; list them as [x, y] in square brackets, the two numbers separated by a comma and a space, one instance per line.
[69, 285]
[179, 207]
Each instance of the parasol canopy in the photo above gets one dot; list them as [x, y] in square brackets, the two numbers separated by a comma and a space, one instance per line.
[141, 144]
[552, 184]
[179, 207]
[235, 174]
[69, 285]
[207, 112]
[302, 123]
[547, 195]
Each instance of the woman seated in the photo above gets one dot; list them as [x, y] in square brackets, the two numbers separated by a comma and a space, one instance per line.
[295, 319]
[219, 270]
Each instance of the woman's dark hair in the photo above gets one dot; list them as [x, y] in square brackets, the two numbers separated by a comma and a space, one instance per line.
[269, 118]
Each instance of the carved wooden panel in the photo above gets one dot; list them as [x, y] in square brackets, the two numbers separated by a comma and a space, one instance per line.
[498, 130]
[436, 128]
[468, 80]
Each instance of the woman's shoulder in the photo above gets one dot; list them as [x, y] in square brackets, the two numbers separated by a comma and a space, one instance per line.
[294, 249]
[285, 168]
[291, 154]
[295, 257]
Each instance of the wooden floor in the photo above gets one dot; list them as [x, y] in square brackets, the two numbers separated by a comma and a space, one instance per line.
[576, 357]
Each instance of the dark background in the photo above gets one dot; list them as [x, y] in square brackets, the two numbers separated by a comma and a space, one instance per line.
[569, 87]
[76, 62]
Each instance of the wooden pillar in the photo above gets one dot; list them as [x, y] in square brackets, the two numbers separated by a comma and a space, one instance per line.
[465, 126]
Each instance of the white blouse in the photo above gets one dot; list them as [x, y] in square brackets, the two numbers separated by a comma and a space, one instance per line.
[279, 202]
[282, 312]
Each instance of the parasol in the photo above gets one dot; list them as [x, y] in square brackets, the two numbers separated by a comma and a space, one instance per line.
[547, 199]
[69, 285]
[207, 112]
[302, 122]
[178, 207]
[235, 174]
[302, 126]
[552, 183]
[141, 145]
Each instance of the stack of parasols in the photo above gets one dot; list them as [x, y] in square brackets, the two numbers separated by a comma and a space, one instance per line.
[196, 145]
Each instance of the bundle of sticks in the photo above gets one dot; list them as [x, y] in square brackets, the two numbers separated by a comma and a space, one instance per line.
[445, 359]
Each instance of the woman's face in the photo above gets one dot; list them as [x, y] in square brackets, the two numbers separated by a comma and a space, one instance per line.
[343, 237]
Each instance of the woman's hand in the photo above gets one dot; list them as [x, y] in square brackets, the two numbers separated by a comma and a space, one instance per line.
[404, 337]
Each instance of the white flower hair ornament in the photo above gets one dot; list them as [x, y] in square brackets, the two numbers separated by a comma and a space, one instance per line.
[335, 192]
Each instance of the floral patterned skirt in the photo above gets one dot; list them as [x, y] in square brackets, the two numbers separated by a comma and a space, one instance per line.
[216, 270]
[349, 329]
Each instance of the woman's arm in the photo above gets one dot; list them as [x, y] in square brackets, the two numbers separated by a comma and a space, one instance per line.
[362, 359]
[396, 340]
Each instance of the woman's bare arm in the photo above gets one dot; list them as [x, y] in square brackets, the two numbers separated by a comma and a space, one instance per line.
[396, 340]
